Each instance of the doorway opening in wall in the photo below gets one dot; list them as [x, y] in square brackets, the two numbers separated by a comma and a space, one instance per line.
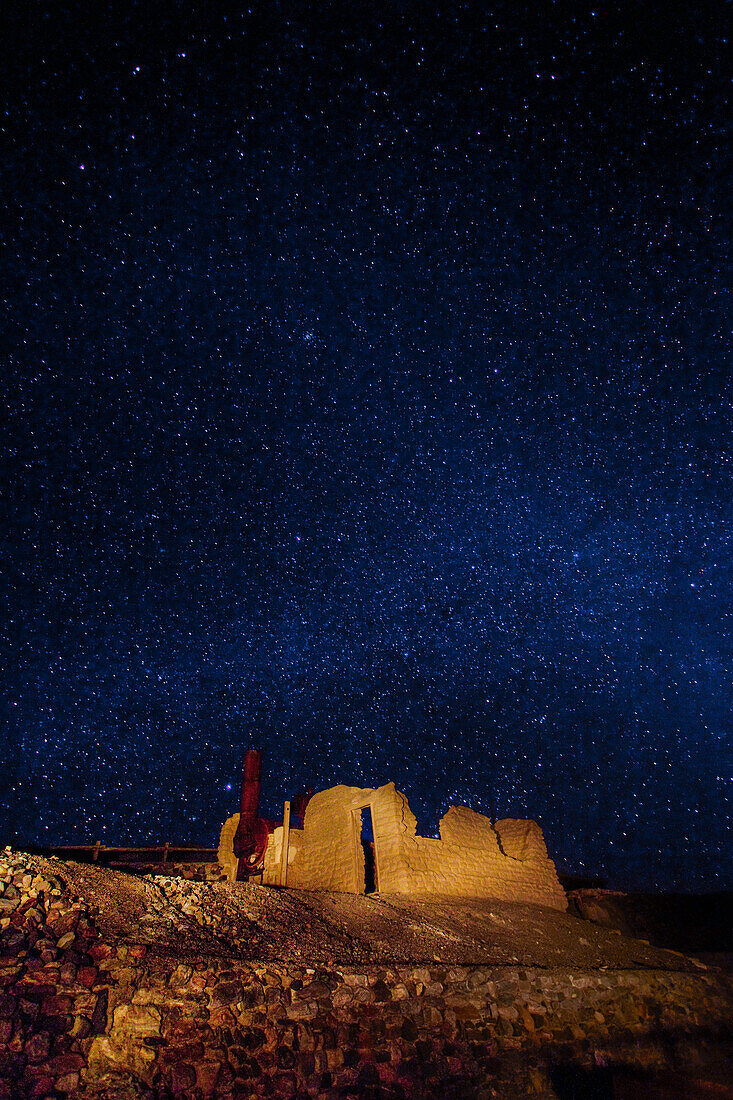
[367, 843]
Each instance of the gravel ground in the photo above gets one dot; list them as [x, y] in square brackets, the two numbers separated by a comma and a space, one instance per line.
[252, 922]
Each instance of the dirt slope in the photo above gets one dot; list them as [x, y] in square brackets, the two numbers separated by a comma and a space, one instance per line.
[254, 922]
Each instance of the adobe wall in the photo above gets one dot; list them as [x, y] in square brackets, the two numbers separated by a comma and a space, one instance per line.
[473, 858]
[331, 856]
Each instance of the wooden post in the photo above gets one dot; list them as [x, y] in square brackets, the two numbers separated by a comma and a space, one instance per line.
[286, 846]
[356, 836]
[166, 846]
[95, 853]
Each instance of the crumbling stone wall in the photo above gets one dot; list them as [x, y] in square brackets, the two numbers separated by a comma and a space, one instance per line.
[331, 856]
[273, 854]
[473, 858]
[227, 859]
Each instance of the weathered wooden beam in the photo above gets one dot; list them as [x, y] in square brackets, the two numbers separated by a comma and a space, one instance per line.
[285, 847]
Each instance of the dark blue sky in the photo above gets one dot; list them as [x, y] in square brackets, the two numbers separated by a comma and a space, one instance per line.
[367, 380]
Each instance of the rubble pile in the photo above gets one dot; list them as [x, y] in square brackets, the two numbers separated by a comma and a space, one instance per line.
[52, 999]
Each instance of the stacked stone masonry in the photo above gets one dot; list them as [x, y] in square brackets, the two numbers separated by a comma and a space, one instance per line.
[473, 858]
[78, 1009]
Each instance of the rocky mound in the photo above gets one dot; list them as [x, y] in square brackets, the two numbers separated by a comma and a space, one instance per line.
[115, 985]
[248, 921]
[689, 923]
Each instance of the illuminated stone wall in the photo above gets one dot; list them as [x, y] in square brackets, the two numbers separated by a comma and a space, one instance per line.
[473, 858]
[273, 854]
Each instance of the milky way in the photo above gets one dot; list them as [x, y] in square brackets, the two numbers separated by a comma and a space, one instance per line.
[367, 377]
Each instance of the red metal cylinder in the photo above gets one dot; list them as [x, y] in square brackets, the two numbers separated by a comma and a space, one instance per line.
[251, 783]
[250, 839]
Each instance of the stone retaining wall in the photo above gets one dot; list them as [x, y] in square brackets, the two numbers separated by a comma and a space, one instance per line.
[75, 1009]
[410, 1031]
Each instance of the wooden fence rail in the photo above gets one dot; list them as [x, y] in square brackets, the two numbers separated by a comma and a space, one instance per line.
[159, 853]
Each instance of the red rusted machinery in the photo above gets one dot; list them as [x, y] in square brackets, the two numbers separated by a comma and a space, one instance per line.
[250, 839]
[300, 803]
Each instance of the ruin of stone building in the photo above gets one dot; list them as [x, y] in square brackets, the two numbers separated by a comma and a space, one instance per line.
[363, 840]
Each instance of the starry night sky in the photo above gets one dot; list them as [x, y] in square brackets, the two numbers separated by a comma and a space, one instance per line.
[367, 392]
